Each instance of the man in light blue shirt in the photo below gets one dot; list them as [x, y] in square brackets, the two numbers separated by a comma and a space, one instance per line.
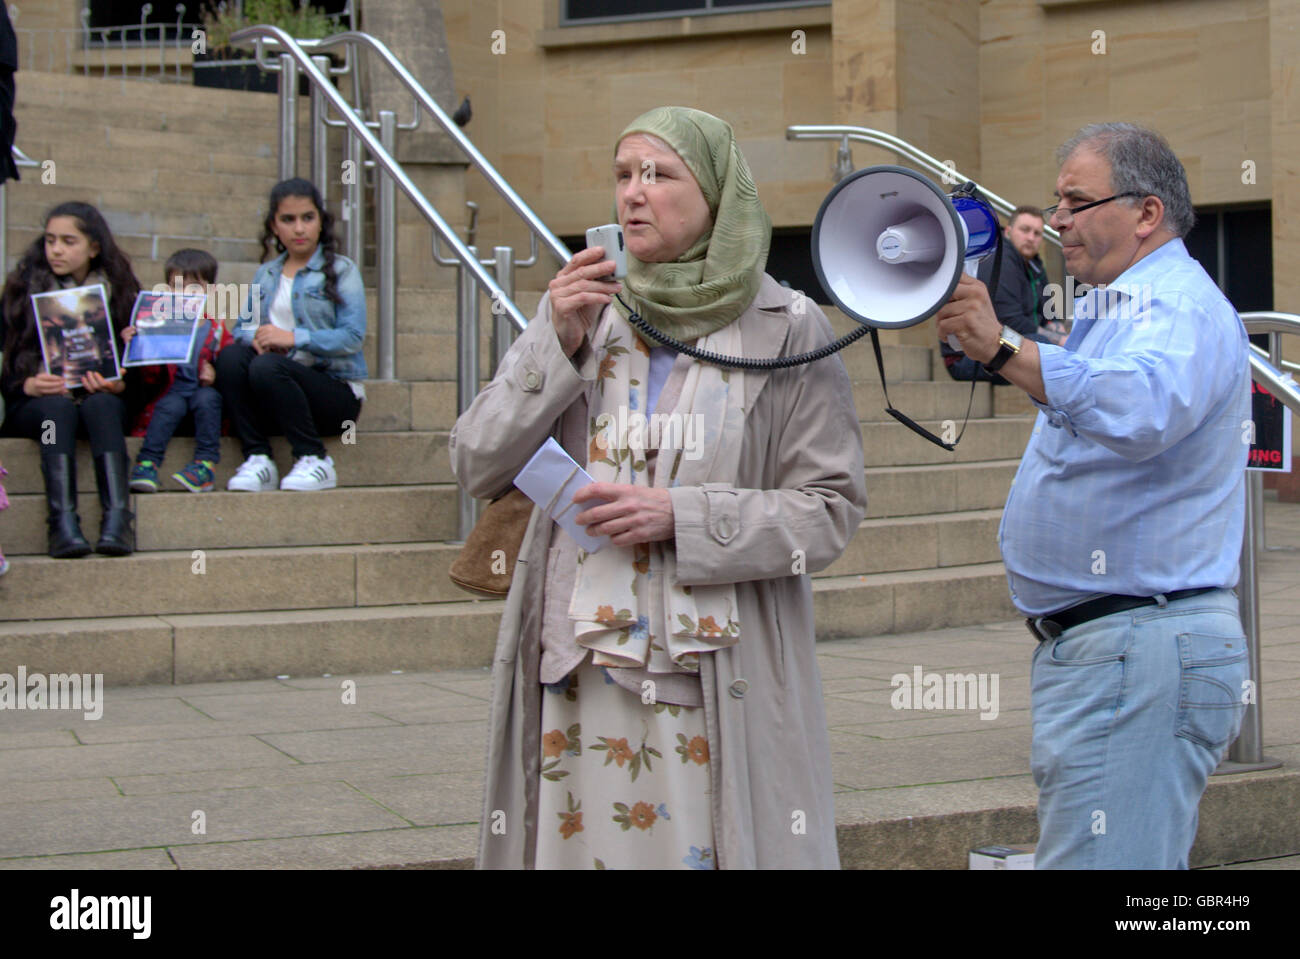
[1122, 531]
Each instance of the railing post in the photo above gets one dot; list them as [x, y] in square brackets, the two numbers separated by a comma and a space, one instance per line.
[319, 134]
[502, 329]
[353, 210]
[288, 116]
[1247, 752]
[466, 372]
[386, 251]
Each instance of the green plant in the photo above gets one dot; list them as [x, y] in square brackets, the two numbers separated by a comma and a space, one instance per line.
[294, 17]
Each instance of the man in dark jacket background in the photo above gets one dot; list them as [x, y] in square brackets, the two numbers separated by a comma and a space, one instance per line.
[1019, 296]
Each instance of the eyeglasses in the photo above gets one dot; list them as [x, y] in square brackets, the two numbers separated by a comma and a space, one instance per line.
[1067, 213]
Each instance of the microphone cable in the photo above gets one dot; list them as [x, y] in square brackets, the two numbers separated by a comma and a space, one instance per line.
[968, 188]
[740, 362]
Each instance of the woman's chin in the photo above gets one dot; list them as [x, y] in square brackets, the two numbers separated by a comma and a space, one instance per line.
[647, 253]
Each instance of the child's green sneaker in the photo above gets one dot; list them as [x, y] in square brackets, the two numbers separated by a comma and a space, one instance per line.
[144, 477]
[197, 477]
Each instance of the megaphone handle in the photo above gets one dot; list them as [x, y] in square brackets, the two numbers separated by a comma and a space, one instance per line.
[971, 268]
[906, 420]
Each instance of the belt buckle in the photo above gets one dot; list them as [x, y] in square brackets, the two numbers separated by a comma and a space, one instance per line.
[1043, 629]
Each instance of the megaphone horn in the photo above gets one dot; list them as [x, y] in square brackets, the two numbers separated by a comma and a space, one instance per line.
[889, 246]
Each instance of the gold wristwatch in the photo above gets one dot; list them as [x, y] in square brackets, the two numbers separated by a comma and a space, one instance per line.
[1008, 346]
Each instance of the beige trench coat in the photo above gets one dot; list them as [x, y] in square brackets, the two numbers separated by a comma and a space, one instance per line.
[798, 500]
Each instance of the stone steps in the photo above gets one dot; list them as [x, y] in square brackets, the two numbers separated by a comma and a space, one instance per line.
[375, 459]
[349, 618]
[220, 520]
[176, 519]
[354, 579]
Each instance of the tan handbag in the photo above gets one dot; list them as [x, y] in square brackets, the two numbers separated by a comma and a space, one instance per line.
[486, 562]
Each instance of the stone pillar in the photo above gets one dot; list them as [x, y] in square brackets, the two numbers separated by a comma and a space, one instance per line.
[911, 68]
[415, 34]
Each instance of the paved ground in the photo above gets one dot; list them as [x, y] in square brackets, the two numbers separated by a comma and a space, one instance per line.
[289, 773]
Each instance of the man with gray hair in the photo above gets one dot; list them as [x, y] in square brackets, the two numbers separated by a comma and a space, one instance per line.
[1122, 530]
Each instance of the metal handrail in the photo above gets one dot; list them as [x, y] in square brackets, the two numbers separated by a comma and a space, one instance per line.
[422, 98]
[384, 159]
[904, 149]
[21, 159]
[1265, 365]
[79, 42]
[1247, 751]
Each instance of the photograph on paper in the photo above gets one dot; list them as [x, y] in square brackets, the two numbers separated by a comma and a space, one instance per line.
[76, 334]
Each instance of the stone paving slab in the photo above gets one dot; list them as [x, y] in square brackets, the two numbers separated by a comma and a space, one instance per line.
[134, 859]
[453, 845]
[289, 775]
[229, 814]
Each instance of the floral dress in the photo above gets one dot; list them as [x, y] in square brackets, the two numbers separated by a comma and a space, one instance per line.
[625, 784]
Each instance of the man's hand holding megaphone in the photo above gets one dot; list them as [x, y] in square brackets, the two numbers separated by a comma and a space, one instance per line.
[968, 315]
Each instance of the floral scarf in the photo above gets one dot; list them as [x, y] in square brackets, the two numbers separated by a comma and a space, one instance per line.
[627, 607]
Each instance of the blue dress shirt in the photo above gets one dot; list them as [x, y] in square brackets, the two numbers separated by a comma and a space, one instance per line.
[1134, 479]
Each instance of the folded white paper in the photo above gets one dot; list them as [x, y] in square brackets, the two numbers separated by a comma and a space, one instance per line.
[550, 479]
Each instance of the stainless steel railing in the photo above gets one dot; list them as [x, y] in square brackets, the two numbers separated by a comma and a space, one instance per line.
[1247, 753]
[946, 171]
[23, 161]
[293, 56]
[72, 49]
[424, 103]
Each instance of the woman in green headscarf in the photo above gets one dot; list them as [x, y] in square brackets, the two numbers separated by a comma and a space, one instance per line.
[657, 701]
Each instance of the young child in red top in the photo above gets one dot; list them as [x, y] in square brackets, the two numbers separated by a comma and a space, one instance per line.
[180, 389]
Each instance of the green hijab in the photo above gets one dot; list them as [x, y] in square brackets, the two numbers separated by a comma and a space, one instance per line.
[714, 281]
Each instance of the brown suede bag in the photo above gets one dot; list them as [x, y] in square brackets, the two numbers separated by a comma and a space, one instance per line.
[486, 562]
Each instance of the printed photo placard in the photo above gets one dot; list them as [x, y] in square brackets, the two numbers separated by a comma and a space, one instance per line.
[77, 334]
[166, 328]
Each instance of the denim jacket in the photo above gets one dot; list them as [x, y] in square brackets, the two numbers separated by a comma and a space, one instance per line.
[328, 333]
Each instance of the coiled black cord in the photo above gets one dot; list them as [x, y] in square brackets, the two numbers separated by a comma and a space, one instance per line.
[740, 362]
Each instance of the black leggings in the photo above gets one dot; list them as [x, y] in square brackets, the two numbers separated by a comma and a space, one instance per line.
[55, 422]
[273, 394]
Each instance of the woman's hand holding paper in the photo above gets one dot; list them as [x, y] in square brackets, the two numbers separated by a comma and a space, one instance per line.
[629, 515]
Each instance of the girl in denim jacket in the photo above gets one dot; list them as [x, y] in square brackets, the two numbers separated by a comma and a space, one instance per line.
[296, 366]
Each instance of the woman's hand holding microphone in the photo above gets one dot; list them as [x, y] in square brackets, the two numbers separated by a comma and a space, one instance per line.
[579, 293]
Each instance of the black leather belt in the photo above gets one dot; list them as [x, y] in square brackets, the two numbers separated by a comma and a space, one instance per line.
[1054, 624]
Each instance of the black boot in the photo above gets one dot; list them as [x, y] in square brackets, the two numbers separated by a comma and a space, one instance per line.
[116, 537]
[65, 540]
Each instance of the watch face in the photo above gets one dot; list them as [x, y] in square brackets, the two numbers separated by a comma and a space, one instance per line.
[1012, 338]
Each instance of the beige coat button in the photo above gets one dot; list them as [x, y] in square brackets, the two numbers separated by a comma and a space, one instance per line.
[532, 380]
[738, 688]
[724, 528]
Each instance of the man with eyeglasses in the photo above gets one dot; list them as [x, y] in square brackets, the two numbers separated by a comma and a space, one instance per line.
[1122, 530]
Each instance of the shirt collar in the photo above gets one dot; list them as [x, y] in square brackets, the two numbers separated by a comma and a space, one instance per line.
[1145, 271]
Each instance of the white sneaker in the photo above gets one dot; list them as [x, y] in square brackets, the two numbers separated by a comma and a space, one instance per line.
[311, 473]
[257, 475]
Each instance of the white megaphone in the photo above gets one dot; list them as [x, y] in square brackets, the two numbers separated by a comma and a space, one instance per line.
[889, 246]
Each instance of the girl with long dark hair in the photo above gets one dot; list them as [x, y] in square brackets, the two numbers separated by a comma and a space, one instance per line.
[77, 250]
[296, 365]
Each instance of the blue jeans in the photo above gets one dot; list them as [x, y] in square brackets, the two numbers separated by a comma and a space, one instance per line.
[168, 412]
[1131, 714]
